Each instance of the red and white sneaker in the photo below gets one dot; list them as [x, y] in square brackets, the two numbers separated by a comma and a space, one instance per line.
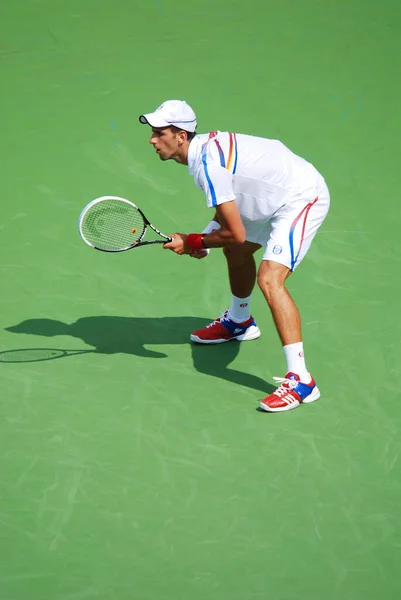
[224, 329]
[291, 393]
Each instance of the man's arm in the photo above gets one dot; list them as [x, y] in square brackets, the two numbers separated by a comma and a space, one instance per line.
[232, 229]
[217, 182]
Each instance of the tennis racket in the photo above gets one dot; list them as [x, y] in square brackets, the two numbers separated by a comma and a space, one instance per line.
[113, 224]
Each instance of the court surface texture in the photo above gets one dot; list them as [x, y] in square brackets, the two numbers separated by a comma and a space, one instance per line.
[135, 466]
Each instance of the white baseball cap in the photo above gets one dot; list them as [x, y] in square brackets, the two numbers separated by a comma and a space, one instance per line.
[171, 112]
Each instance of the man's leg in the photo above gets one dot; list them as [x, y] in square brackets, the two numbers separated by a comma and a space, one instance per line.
[242, 276]
[271, 279]
[236, 323]
[293, 231]
[298, 385]
[241, 268]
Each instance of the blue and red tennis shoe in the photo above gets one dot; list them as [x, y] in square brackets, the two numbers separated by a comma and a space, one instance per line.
[224, 329]
[290, 394]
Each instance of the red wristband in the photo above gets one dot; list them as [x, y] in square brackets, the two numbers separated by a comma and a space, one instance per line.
[195, 241]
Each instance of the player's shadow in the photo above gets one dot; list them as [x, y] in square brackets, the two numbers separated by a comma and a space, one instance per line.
[131, 335]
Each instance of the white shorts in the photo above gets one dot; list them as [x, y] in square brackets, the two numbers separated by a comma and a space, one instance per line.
[289, 233]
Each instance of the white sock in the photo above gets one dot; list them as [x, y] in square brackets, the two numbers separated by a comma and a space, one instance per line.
[294, 354]
[240, 310]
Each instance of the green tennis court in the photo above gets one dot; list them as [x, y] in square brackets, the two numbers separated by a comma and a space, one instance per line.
[134, 465]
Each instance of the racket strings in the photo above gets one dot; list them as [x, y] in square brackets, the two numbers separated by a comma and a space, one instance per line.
[113, 225]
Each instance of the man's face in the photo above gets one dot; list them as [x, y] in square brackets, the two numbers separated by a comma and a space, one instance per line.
[165, 142]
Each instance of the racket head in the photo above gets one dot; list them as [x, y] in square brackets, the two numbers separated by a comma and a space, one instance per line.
[112, 224]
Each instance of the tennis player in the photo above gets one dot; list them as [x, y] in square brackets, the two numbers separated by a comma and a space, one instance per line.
[263, 196]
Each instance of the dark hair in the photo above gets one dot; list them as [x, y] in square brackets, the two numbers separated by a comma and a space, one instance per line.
[190, 134]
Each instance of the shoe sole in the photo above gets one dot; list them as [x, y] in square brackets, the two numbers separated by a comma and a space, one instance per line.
[315, 395]
[252, 333]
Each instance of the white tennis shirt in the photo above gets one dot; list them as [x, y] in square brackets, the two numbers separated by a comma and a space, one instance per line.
[261, 175]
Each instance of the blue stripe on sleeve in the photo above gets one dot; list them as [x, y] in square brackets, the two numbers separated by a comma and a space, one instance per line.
[209, 181]
[236, 154]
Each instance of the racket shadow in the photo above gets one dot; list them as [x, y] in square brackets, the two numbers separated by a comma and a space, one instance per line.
[131, 335]
[28, 355]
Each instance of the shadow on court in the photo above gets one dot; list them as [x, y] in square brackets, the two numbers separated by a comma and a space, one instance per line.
[130, 335]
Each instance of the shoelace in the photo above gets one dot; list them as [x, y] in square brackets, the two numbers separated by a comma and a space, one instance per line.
[220, 318]
[286, 385]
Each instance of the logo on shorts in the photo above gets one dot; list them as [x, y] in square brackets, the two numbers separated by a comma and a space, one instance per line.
[277, 249]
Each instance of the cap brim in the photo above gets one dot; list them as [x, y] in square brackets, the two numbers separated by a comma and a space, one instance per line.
[153, 120]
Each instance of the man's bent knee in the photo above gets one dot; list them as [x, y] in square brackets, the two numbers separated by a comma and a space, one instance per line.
[272, 275]
[240, 253]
